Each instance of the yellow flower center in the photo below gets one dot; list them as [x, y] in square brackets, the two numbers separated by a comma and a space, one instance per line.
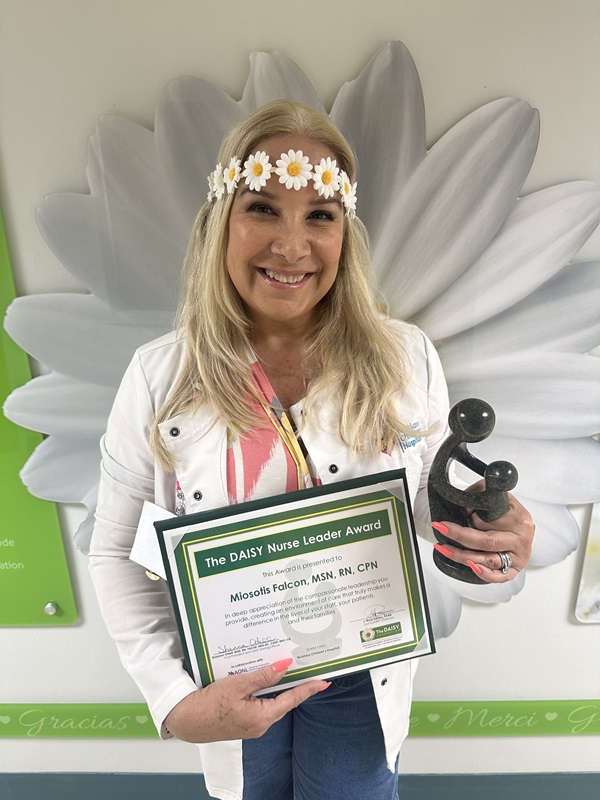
[232, 173]
[326, 178]
[257, 169]
[293, 169]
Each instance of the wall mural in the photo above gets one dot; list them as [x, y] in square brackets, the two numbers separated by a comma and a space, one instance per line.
[485, 272]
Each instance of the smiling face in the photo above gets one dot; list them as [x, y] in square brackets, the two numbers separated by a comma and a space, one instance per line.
[284, 244]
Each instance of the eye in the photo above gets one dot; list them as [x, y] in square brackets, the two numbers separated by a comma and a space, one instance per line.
[260, 208]
[321, 215]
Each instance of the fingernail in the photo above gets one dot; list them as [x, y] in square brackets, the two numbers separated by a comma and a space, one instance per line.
[327, 685]
[440, 527]
[475, 567]
[443, 550]
[281, 666]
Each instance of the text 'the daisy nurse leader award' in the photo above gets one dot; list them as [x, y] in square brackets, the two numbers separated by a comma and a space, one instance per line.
[470, 421]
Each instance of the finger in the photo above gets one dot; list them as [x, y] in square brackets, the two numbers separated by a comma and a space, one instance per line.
[262, 678]
[291, 698]
[489, 541]
[493, 575]
[475, 558]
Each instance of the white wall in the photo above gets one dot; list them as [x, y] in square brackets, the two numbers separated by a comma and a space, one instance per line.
[65, 62]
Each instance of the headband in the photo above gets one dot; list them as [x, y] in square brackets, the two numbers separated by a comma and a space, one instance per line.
[293, 169]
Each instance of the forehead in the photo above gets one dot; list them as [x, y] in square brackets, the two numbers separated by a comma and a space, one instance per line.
[274, 146]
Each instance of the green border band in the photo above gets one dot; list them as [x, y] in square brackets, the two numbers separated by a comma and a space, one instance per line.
[429, 719]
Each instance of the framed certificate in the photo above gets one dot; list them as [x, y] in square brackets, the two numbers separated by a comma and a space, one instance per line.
[329, 576]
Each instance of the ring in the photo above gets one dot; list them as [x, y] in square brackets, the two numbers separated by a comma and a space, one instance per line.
[506, 562]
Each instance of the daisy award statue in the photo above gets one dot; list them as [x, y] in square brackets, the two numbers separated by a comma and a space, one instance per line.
[470, 421]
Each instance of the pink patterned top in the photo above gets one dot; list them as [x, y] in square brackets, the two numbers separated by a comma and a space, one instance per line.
[269, 460]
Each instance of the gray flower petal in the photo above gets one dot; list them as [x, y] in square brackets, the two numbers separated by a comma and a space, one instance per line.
[540, 236]
[562, 316]
[124, 241]
[274, 76]
[382, 115]
[79, 336]
[192, 118]
[63, 468]
[83, 534]
[57, 404]
[557, 532]
[454, 204]
[535, 396]
[552, 471]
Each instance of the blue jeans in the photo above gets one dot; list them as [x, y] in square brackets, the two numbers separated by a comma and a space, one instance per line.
[329, 748]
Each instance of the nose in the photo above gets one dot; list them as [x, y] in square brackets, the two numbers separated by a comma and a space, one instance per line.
[291, 242]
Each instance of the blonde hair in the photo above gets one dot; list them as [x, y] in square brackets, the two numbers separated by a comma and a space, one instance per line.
[361, 364]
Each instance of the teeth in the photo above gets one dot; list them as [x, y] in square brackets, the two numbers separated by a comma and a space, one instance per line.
[277, 276]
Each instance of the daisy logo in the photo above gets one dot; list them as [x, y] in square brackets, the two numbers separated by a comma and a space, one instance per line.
[381, 632]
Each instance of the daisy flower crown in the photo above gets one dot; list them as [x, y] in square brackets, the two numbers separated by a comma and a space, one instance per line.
[294, 171]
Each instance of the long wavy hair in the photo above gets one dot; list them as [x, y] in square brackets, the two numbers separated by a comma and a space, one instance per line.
[361, 365]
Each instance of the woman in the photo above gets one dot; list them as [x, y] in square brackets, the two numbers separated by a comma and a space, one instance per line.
[283, 374]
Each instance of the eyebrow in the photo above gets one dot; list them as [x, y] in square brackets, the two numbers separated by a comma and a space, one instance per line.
[318, 201]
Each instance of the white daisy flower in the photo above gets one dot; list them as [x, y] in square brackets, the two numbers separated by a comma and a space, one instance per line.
[348, 191]
[216, 183]
[231, 175]
[327, 177]
[293, 169]
[257, 170]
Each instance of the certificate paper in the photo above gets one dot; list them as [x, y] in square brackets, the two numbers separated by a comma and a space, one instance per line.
[329, 576]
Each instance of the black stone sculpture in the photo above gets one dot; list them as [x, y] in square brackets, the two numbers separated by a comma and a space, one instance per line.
[470, 421]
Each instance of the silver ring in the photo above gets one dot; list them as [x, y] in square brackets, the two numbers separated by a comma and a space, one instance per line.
[506, 562]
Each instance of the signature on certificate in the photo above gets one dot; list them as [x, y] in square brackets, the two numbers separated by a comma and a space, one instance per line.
[251, 644]
[376, 613]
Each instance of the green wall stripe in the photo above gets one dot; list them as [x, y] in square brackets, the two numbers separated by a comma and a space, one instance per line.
[428, 719]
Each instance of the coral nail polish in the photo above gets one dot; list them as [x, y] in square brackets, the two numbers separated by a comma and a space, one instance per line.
[440, 527]
[443, 550]
[475, 567]
[281, 666]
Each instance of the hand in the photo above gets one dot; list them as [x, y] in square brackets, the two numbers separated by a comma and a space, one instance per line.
[227, 709]
[511, 533]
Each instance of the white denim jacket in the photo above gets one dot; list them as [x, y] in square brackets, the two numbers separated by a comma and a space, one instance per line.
[137, 611]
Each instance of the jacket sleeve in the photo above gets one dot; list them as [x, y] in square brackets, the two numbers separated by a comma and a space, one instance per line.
[137, 611]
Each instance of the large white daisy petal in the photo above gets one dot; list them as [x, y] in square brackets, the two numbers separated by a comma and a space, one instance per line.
[553, 471]
[539, 396]
[57, 404]
[83, 534]
[539, 237]
[63, 468]
[435, 229]
[79, 336]
[274, 76]
[192, 118]
[557, 532]
[123, 241]
[382, 114]
[562, 315]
